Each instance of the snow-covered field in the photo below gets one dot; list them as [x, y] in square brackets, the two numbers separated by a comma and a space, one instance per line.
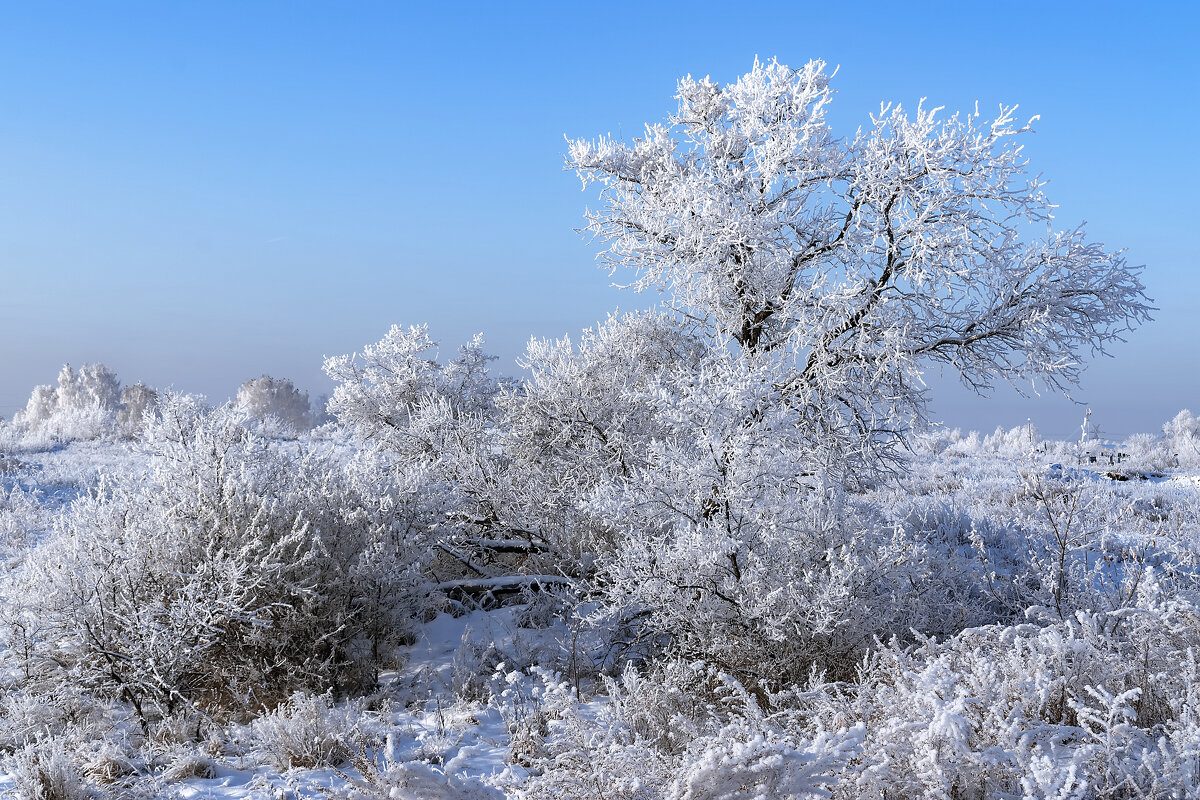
[1004, 617]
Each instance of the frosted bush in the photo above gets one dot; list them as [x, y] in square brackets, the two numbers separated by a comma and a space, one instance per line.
[48, 770]
[1148, 452]
[181, 762]
[734, 749]
[965, 446]
[226, 577]
[413, 780]
[1096, 705]
[22, 519]
[810, 584]
[107, 762]
[934, 441]
[306, 731]
[972, 571]
[1001, 710]
[56, 711]
[382, 387]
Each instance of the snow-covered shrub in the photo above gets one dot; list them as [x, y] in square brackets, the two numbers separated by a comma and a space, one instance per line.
[528, 701]
[473, 663]
[934, 440]
[181, 762]
[422, 415]
[437, 426]
[413, 780]
[1075, 562]
[1026, 709]
[22, 519]
[734, 749]
[748, 761]
[227, 576]
[965, 572]
[667, 708]
[381, 389]
[47, 769]
[584, 418]
[59, 710]
[1148, 452]
[107, 762]
[277, 403]
[1093, 705]
[16, 438]
[306, 731]
[810, 582]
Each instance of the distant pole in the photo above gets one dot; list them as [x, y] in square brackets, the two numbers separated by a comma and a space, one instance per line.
[1083, 434]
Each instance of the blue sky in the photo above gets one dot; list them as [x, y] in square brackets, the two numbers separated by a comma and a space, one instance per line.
[196, 194]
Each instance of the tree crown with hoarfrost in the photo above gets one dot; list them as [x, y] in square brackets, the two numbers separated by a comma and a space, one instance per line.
[849, 265]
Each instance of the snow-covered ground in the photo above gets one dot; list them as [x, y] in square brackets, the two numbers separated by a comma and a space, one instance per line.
[479, 703]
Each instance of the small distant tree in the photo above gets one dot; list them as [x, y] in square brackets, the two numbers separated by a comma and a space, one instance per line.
[42, 404]
[137, 401]
[1182, 438]
[84, 405]
[266, 397]
[94, 386]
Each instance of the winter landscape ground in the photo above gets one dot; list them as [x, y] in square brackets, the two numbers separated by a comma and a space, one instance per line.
[711, 550]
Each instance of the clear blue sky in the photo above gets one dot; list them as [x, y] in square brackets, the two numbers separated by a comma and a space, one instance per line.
[196, 194]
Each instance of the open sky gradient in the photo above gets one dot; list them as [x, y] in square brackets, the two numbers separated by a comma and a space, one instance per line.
[200, 193]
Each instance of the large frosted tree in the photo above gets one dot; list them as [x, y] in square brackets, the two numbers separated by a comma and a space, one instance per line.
[819, 277]
[837, 269]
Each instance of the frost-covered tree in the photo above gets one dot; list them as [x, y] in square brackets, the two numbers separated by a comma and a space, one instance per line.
[95, 385]
[852, 264]
[84, 405]
[819, 277]
[265, 398]
[1182, 435]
